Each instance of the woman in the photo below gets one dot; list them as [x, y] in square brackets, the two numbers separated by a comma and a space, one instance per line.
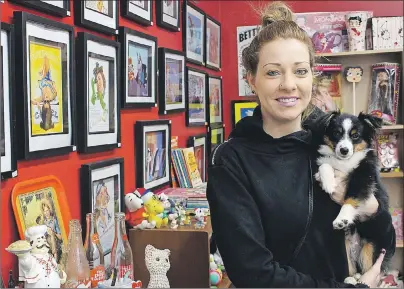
[272, 221]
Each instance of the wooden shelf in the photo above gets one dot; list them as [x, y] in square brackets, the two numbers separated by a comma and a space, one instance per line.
[365, 52]
[392, 175]
[393, 127]
[399, 244]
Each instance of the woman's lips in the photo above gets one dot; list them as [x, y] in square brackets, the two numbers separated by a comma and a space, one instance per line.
[287, 101]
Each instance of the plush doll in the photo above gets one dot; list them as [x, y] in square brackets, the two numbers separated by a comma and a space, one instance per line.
[135, 215]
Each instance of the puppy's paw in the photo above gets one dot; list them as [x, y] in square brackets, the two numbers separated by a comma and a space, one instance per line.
[329, 186]
[317, 177]
[341, 223]
[326, 178]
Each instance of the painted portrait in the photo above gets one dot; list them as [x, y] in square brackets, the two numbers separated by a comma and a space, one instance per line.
[199, 152]
[215, 100]
[213, 43]
[194, 39]
[173, 81]
[104, 7]
[155, 153]
[196, 94]
[170, 8]
[139, 69]
[139, 3]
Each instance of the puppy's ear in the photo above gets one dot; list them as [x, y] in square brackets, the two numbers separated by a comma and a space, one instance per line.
[320, 124]
[372, 122]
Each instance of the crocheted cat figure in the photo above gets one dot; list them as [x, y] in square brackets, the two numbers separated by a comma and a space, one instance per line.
[158, 264]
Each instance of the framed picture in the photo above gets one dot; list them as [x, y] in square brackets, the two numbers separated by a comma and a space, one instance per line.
[215, 138]
[140, 11]
[7, 103]
[102, 190]
[194, 33]
[195, 100]
[100, 15]
[213, 44]
[200, 145]
[215, 100]
[54, 7]
[139, 68]
[171, 80]
[241, 108]
[98, 104]
[42, 201]
[153, 153]
[168, 14]
[45, 102]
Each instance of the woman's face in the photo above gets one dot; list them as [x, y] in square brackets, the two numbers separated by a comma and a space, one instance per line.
[283, 81]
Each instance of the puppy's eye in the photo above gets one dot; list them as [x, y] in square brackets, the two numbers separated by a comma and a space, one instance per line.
[355, 136]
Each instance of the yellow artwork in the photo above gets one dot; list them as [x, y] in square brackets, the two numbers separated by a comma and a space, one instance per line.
[243, 109]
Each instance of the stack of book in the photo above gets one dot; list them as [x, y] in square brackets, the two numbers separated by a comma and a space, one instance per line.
[185, 167]
[193, 198]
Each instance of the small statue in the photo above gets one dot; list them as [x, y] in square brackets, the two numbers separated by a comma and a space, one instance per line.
[200, 218]
[157, 263]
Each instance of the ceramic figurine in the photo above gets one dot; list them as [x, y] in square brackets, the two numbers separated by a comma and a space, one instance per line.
[200, 218]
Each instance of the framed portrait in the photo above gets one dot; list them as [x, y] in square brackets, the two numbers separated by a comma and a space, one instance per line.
[140, 11]
[215, 138]
[102, 190]
[213, 44]
[215, 100]
[7, 103]
[195, 99]
[200, 145]
[171, 65]
[194, 33]
[42, 201]
[98, 15]
[153, 153]
[98, 104]
[139, 68]
[55, 7]
[168, 14]
[45, 94]
[241, 109]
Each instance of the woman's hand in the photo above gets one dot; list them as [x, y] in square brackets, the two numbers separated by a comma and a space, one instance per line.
[372, 277]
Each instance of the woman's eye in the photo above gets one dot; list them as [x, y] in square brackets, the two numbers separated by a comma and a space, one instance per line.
[273, 73]
[301, 71]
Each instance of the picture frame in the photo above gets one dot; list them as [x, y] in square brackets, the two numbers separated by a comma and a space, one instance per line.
[215, 138]
[241, 109]
[45, 99]
[153, 153]
[213, 42]
[215, 97]
[196, 107]
[139, 85]
[59, 8]
[42, 201]
[171, 65]
[168, 14]
[193, 33]
[140, 11]
[100, 16]
[200, 145]
[97, 181]
[98, 93]
[7, 103]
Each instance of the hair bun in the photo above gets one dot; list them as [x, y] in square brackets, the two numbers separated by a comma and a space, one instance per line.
[275, 11]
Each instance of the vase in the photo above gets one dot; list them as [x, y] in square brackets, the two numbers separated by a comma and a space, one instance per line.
[356, 27]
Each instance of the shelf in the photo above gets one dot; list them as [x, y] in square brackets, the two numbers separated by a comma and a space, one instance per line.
[365, 52]
[392, 175]
[399, 244]
[393, 127]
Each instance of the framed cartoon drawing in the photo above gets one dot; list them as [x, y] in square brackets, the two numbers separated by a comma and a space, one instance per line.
[242, 108]
[45, 94]
[215, 100]
[168, 14]
[193, 33]
[153, 153]
[98, 15]
[138, 68]
[54, 7]
[213, 44]
[42, 201]
[200, 145]
[215, 138]
[98, 104]
[7, 103]
[171, 80]
[140, 11]
[195, 96]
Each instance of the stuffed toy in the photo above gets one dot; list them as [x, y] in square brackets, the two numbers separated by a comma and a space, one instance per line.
[135, 215]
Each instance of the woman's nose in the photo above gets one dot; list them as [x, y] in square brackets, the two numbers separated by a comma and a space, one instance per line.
[288, 83]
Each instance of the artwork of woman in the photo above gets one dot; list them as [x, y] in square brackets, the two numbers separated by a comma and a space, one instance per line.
[103, 216]
[98, 84]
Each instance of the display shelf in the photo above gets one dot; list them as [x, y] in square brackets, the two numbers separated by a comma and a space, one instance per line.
[355, 53]
[393, 127]
[392, 175]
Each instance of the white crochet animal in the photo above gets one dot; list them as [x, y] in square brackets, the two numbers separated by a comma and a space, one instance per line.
[158, 264]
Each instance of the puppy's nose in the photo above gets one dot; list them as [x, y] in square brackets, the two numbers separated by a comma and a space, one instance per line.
[344, 151]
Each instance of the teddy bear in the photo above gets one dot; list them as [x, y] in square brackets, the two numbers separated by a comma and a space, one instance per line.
[135, 215]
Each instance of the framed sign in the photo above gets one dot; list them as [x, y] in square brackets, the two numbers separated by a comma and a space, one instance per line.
[54, 7]
[7, 103]
[140, 11]
[200, 145]
[138, 68]
[45, 94]
[168, 14]
[213, 44]
[215, 138]
[98, 104]
[241, 108]
[196, 90]
[194, 33]
[215, 100]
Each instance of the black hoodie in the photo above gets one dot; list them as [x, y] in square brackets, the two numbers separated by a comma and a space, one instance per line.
[258, 192]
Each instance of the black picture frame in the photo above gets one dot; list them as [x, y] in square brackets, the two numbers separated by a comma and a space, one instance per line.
[21, 20]
[204, 121]
[165, 108]
[127, 36]
[219, 128]
[134, 12]
[107, 51]
[194, 141]
[11, 170]
[210, 121]
[166, 21]
[234, 103]
[46, 7]
[208, 63]
[140, 129]
[99, 21]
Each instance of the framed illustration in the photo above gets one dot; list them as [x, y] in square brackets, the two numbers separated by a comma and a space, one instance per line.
[101, 16]
[213, 44]
[140, 11]
[153, 153]
[168, 14]
[139, 68]
[55, 7]
[42, 201]
[98, 104]
[215, 138]
[45, 94]
[7, 103]
[215, 100]
[171, 65]
[200, 145]
[194, 33]
[240, 109]
[195, 99]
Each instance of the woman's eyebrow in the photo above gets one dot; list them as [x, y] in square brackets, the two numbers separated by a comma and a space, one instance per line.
[278, 64]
